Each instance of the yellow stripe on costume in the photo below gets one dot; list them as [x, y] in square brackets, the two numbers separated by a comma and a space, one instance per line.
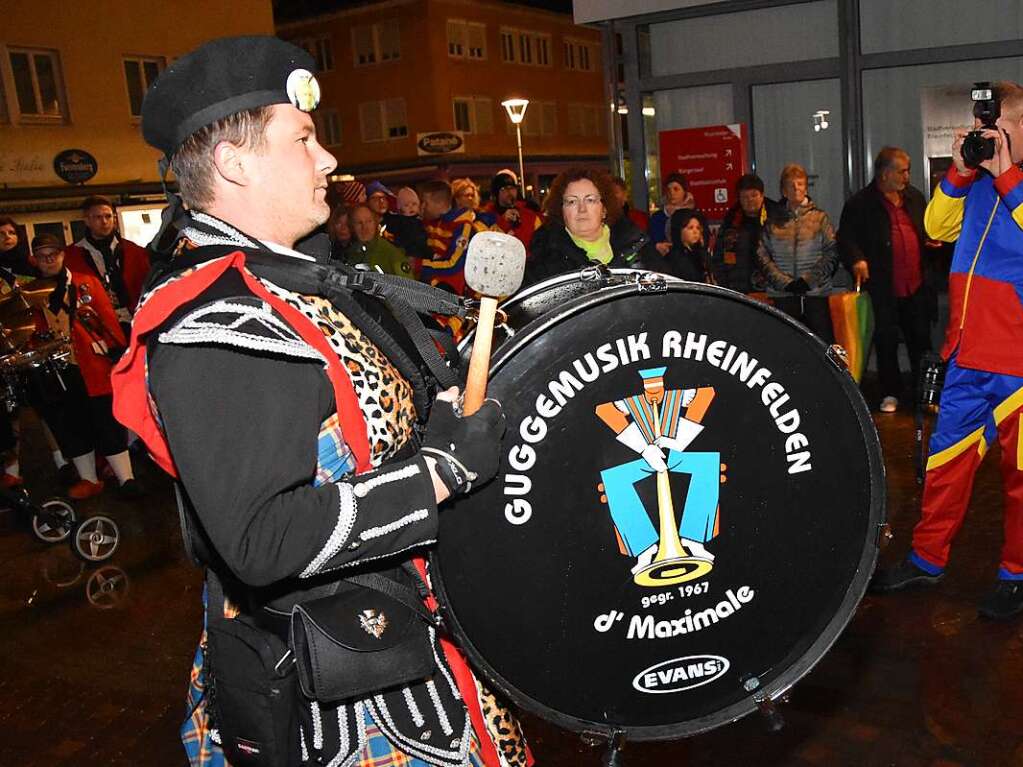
[960, 447]
[943, 219]
[1009, 405]
[1019, 444]
[976, 256]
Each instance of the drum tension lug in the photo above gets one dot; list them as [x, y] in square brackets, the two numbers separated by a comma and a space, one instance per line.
[615, 745]
[773, 718]
[651, 282]
[884, 535]
[615, 740]
[839, 356]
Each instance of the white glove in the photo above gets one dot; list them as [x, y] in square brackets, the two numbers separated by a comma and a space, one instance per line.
[653, 456]
[688, 396]
[686, 432]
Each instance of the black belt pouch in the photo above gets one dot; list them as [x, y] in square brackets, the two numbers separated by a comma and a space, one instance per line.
[359, 642]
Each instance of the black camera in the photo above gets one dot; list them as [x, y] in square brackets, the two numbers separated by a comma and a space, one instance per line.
[987, 108]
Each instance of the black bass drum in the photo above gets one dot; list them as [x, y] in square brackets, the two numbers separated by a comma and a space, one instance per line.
[686, 515]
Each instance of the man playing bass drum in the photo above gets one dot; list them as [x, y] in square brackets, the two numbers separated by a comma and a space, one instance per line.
[294, 415]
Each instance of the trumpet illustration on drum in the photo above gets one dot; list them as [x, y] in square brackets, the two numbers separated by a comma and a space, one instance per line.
[659, 424]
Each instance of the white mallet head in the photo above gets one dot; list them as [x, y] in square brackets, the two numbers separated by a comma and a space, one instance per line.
[495, 263]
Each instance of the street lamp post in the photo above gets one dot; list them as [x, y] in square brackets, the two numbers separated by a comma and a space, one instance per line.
[516, 109]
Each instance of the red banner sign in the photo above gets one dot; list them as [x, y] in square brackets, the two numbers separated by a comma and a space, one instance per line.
[712, 159]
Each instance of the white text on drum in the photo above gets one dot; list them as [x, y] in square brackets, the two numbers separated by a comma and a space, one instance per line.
[533, 429]
[646, 627]
[747, 369]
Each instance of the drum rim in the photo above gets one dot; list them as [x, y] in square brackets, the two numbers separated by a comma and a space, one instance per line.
[835, 625]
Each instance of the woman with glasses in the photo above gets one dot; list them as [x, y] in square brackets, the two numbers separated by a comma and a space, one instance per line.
[584, 226]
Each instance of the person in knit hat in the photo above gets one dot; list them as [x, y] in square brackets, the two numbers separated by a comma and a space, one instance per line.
[352, 192]
[378, 197]
[507, 213]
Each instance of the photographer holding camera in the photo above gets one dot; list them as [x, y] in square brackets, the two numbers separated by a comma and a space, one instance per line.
[979, 204]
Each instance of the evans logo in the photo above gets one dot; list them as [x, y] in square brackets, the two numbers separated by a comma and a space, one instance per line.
[680, 674]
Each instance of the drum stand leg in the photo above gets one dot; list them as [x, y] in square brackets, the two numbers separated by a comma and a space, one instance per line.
[615, 744]
[918, 433]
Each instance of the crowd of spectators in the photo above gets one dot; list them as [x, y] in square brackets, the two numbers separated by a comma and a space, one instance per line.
[783, 251]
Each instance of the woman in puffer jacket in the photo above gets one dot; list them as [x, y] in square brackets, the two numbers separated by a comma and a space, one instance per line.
[798, 254]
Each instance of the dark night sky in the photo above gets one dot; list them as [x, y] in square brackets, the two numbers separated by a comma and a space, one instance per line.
[290, 10]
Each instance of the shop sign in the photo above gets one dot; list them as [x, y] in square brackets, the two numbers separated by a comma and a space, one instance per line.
[711, 158]
[75, 166]
[440, 142]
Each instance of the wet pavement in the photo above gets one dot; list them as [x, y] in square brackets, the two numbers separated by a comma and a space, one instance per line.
[97, 656]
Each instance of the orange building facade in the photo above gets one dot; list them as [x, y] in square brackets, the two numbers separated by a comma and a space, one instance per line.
[394, 71]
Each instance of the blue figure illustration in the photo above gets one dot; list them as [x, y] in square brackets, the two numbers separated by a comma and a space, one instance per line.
[650, 423]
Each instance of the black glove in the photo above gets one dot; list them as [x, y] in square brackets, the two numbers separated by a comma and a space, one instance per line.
[467, 448]
[798, 287]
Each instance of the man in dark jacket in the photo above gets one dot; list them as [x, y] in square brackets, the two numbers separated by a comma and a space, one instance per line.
[881, 240]
[290, 420]
[734, 261]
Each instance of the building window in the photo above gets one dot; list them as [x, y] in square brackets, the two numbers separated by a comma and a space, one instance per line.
[522, 46]
[473, 114]
[508, 46]
[525, 48]
[376, 44]
[585, 120]
[37, 83]
[456, 38]
[321, 50]
[328, 126]
[388, 41]
[363, 46]
[467, 39]
[541, 119]
[578, 55]
[383, 120]
[139, 74]
[548, 118]
[476, 41]
[543, 50]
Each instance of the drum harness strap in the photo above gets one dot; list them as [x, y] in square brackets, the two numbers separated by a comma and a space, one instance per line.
[353, 292]
[343, 286]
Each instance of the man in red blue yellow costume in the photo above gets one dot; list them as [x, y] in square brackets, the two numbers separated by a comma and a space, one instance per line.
[982, 401]
[310, 455]
[448, 232]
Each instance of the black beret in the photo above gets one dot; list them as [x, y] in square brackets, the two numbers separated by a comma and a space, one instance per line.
[220, 78]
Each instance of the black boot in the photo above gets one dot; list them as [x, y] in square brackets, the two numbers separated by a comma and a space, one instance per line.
[903, 575]
[1004, 602]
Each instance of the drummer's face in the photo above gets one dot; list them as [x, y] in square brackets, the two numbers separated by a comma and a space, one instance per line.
[100, 220]
[583, 209]
[8, 238]
[49, 261]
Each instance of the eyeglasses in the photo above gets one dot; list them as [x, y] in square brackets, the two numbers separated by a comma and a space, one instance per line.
[573, 202]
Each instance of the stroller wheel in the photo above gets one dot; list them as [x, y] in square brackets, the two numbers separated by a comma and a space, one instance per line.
[95, 539]
[106, 587]
[53, 522]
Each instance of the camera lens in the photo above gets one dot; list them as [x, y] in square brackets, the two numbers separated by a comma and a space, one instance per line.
[976, 149]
